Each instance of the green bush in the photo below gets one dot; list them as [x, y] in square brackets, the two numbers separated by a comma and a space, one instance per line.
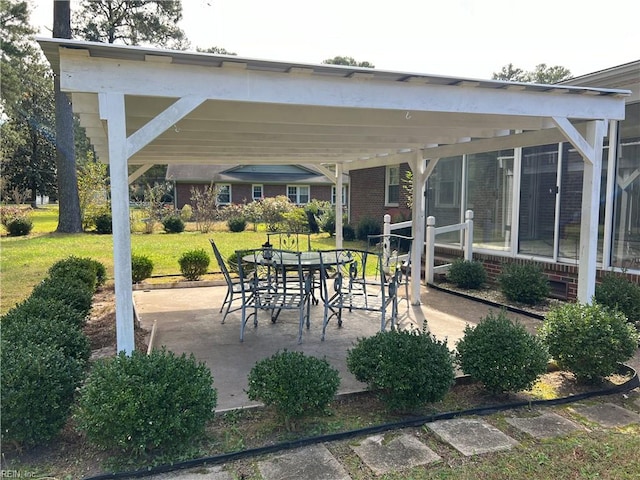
[173, 224]
[232, 262]
[46, 322]
[103, 223]
[237, 224]
[70, 291]
[501, 354]
[141, 268]
[186, 213]
[90, 271]
[142, 403]
[348, 233]
[467, 273]
[46, 308]
[293, 383]
[194, 264]
[617, 292]
[588, 340]
[524, 283]
[407, 369]
[38, 386]
[19, 226]
[367, 226]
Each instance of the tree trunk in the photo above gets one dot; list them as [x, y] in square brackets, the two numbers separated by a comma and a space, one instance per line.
[69, 219]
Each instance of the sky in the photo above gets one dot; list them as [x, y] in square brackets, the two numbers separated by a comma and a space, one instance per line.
[465, 38]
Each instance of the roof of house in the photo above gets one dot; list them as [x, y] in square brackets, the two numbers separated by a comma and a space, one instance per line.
[264, 174]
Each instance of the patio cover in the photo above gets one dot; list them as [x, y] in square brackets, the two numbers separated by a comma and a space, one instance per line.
[145, 106]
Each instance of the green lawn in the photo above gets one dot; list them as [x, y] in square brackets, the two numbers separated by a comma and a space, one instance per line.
[24, 261]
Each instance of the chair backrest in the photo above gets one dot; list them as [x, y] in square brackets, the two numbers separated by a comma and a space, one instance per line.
[395, 250]
[221, 262]
[291, 241]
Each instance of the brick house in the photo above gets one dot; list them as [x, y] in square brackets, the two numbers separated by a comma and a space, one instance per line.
[527, 202]
[245, 183]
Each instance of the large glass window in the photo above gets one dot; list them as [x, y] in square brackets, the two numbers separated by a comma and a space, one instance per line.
[490, 196]
[298, 194]
[443, 196]
[626, 227]
[538, 190]
[392, 182]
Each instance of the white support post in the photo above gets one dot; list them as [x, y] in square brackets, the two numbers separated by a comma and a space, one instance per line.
[430, 253]
[468, 235]
[590, 209]
[386, 243]
[607, 244]
[112, 109]
[419, 168]
[338, 205]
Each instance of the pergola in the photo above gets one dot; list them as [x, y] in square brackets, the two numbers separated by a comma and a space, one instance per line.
[146, 106]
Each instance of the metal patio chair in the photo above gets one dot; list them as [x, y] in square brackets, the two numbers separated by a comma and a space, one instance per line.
[396, 257]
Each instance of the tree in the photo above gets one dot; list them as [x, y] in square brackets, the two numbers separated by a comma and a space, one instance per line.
[347, 61]
[215, 50]
[69, 214]
[541, 74]
[27, 140]
[131, 22]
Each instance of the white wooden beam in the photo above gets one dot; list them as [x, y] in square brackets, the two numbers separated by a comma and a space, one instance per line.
[139, 172]
[162, 122]
[418, 215]
[328, 173]
[590, 210]
[338, 205]
[575, 138]
[112, 109]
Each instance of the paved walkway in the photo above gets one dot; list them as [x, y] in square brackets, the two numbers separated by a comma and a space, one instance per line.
[399, 451]
[188, 321]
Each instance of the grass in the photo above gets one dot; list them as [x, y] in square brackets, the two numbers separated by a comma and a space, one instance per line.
[25, 260]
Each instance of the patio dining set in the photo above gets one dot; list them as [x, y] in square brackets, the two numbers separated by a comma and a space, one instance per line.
[283, 276]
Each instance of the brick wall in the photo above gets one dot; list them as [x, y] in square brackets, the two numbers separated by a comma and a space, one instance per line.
[563, 277]
[367, 195]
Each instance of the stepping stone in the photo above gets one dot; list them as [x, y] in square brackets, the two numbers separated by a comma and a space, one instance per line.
[609, 415]
[405, 451]
[471, 437]
[309, 463]
[546, 425]
[198, 473]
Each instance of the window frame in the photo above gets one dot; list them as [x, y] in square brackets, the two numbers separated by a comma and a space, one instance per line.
[333, 194]
[298, 195]
[218, 201]
[253, 192]
[388, 184]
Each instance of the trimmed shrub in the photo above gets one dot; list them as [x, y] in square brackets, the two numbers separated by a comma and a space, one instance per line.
[90, 271]
[467, 273]
[38, 386]
[46, 308]
[194, 264]
[348, 233]
[173, 224]
[524, 283]
[232, 262]
[70, 291]
[141, 403]
[501, 354]
[186, 213]
[44, 322]
[19, 226]
[141, 268]
[367, 226]
[104, 223]
[237, 224]
[294, 384]
[588, 340]
[406, 369]
[619, 293]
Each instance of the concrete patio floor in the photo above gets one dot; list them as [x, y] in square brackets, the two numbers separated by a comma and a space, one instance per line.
[188, 321]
